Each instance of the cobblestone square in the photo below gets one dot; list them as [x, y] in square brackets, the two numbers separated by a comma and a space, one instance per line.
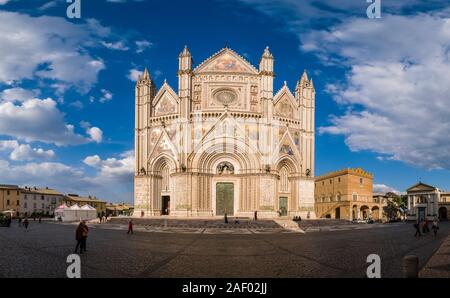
[42, 251]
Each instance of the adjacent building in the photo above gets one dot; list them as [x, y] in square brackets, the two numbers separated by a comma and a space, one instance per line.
[427, 201]
[119, 209]
[347, 194]
[10, 198]
[72, 199]
[225, 142]
[444, 206]
[39, 201]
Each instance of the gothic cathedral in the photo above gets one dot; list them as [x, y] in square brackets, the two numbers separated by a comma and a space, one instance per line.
[224, 143]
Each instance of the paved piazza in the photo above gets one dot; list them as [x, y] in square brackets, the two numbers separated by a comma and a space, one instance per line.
[323, 251]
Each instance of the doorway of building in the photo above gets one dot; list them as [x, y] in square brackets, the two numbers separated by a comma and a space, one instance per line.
[442, 213]
[225, 198]
[337, 214]
[165, 206]
[283, 203]
[421, 214]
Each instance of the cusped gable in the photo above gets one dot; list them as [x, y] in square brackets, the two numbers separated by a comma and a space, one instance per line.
[226, 61]
[285, 104]
[166, 101]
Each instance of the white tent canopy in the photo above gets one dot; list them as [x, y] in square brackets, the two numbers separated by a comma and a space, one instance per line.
[75, 213]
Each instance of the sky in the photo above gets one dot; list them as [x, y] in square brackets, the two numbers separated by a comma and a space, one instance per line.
[67, 85]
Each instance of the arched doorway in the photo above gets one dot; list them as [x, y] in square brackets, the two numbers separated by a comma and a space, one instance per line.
[375, 213]
[443, 213]
[354, 212]
[365, 211]
[162, 168]
[286, 189]
[165, 190]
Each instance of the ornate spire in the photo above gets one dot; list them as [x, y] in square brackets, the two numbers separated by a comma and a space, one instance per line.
[267, 53]
[144, 78]
[304, 77]
[304, 81]
[185, 52]
[145, 75]
[185, 62]
[266, 63]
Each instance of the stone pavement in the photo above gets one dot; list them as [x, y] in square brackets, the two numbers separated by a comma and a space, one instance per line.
[42, 252]
[439, 263]
[244, 226]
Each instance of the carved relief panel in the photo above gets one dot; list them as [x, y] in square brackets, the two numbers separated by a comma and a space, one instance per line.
[196, 100]
[165, 106]
[285, 109]
[254, 101]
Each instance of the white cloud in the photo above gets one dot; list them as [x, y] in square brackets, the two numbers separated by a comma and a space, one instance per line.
[401, 88]
[121, 169]
[382, 188]
[396, 85]
[55, 175]
[77, 104]
[49, 48]
[95, 133]
[3, 2]
[40, 120]
[106, 96]
[24, 152]
[111, 181]
[18, 94]
[8, 145]
[92, 161]
[301, 15]
[133, 75]
[158, 73]
[119, 46]
[143, 45]
[49, 5]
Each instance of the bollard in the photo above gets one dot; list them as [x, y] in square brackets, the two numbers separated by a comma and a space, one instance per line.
[165, 223]
[411, 266]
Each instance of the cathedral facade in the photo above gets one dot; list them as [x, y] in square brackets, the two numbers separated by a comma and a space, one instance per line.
[224, 143]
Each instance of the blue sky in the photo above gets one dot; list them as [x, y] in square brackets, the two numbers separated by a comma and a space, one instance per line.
[67, 86]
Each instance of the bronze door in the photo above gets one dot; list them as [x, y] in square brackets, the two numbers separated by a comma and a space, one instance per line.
[224, 198]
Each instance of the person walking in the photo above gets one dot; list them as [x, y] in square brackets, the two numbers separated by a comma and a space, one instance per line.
[256, 216]
[85, 233]
[226, 218]
[130, 227]
[25, 223]
[417, 227]
[20, 221]
[40, 219]
[79, 237]
[425, 226]
[435, 226]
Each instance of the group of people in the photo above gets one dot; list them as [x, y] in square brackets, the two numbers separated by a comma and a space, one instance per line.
[423, 227]
[24, 222]
[102, 217]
